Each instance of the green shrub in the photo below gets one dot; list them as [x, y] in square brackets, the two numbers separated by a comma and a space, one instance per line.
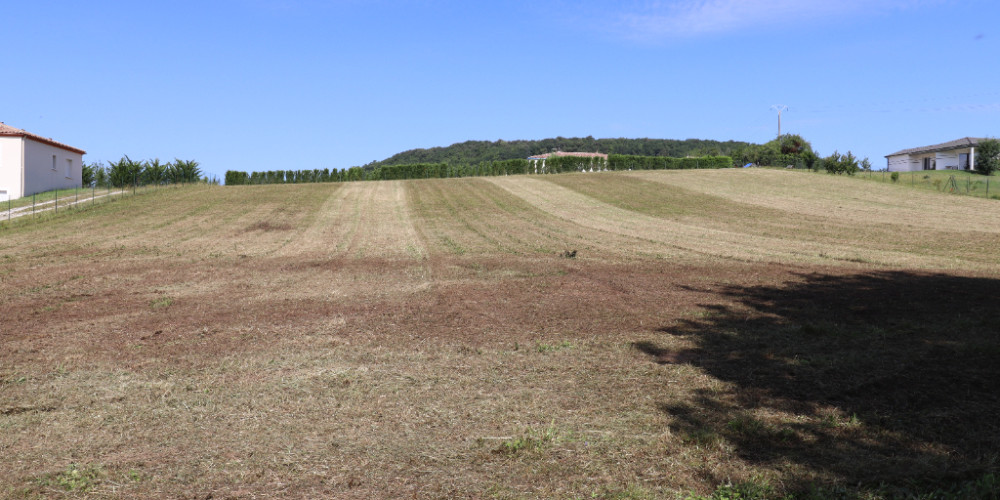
[894, 176]
[988, 156]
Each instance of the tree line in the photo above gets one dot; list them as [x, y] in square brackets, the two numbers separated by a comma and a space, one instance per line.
[792, 150]
[129, 172]
[518, 166]
[476, 152]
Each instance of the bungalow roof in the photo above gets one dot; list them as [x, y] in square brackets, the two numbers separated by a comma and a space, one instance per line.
[964, 142]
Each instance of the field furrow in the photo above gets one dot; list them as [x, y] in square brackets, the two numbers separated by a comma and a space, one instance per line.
[850, 239]
[842, 198]
[654, 235]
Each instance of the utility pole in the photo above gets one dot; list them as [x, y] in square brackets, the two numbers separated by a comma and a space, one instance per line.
[779, 108]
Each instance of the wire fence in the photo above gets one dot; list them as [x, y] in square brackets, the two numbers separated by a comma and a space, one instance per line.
[48, 204]
[944, 181]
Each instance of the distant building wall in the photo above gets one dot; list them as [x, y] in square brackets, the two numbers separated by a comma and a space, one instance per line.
[946, 160]
[47, 167]
[902, 163]
[10, 168]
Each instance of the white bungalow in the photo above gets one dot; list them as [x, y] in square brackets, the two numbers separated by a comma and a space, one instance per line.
[31, 164]
[959, 154]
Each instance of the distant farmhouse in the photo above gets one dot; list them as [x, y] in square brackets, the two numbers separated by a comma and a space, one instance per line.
[538, 161]
[959, 154]
[31, 164]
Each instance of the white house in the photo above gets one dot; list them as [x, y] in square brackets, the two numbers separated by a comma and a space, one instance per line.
[31, 164]
[959, 154]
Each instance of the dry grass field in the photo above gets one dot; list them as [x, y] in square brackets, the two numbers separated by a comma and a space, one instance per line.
[657, 334]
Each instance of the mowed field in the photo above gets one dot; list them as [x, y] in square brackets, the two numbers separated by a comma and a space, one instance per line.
[613, 335]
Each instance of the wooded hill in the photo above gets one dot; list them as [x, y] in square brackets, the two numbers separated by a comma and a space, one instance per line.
[474, 152]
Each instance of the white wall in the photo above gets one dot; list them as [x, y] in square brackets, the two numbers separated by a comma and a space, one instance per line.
[38, 172]
[10, 167]
[903, 163]
[947, 160]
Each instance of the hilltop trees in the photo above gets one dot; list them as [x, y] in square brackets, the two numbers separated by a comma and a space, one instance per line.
[791, 144]
[475, 152]
[788, 149]
[841, 164]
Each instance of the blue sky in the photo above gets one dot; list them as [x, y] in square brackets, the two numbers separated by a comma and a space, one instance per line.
[296, 84]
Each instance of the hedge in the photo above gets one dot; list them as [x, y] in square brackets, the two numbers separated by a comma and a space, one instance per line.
[630, 162]
[518, 166]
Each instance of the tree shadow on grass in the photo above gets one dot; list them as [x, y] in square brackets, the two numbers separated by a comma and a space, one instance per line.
[886, 379]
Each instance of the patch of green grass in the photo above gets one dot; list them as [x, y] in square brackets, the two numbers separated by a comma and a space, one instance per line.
[541, 347]
[75, 478]
[161, 303]
[756, 489]
[703, 437]
[748, 426]
[833, 421]
[530, 439]
[629, 492]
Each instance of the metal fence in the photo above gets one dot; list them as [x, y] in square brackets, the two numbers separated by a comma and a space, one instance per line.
[963, 183]
[41, 205]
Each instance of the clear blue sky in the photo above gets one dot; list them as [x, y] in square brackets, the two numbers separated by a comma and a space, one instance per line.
[295, 84]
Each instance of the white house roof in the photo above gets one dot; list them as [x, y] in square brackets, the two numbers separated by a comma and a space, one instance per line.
[964, 142]
[7, 130]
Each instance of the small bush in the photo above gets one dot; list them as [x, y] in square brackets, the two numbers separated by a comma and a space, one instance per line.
[894, 176]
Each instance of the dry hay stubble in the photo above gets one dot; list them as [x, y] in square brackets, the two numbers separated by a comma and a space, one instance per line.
[313, 372]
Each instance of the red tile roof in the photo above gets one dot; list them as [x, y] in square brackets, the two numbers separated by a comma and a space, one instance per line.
[7, 130]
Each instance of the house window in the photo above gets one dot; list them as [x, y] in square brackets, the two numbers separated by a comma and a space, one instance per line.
[69, 168]
[929, 164]
[53, 162]
[963, 161]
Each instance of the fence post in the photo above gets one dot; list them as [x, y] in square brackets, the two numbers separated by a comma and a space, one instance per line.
[33, 200]
[57, 201]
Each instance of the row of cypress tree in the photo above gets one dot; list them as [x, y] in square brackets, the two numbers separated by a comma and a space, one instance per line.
[555, 164]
